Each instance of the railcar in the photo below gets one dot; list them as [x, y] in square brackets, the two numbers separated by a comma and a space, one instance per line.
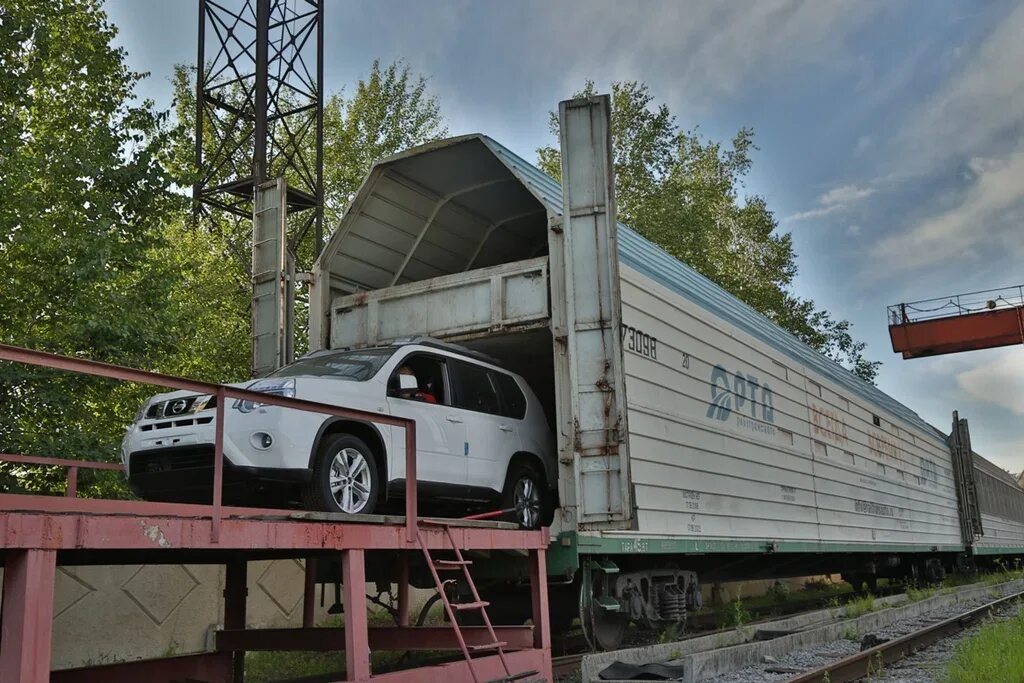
[697, 440]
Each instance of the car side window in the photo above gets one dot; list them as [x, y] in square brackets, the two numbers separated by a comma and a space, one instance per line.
[428, 373]
[513, 402]
[474, 389]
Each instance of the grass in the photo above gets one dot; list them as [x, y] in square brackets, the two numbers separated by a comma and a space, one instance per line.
[915, 594]
[263, 667]
[995, 655]
[860, 606]
[735, 615]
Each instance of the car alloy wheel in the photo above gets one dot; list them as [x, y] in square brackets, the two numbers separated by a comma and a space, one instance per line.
[350, 480]
[526, 496]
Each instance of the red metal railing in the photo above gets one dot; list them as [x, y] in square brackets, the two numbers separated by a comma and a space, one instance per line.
[110, 371]
[72, 467]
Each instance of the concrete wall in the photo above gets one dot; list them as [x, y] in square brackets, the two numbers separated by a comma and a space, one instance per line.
[108, 614]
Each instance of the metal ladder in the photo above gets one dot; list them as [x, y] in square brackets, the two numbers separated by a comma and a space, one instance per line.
[452, 608]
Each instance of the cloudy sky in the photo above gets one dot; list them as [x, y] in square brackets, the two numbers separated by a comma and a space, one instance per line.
[891, 134]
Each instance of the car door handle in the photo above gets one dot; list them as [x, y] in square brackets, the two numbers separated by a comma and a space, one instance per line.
[453, 418]
[505, 428]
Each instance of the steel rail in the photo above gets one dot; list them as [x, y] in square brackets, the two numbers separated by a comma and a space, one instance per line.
[856, 667]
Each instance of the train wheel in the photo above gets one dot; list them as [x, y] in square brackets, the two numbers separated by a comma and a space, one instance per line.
[604, 629]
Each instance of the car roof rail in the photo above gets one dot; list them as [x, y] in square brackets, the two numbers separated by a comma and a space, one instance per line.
[446, 346]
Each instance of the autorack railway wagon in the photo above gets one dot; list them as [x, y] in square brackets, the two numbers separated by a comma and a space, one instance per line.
[696, 440]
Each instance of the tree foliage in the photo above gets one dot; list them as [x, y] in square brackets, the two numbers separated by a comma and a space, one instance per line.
[84, 192]
[101, 258]
[682, 192]
[389, 111]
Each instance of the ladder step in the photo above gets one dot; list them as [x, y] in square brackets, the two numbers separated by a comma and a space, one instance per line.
[487, 646]
[451, 564]
[460, 606]
[514, 677]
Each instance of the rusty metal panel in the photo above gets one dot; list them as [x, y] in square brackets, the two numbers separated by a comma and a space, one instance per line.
[494, 300]
[599, 450]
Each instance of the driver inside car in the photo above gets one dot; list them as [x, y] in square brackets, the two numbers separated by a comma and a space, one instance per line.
[409, 387]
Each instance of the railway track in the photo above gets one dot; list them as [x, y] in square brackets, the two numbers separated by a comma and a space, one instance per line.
[856, 667]
[699, 625]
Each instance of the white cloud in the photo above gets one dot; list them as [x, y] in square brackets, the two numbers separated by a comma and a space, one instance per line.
[706, 50]
[845, 194]
[977, 106]
[997, 187]
[837, 199]
[999, 382]
[853, 230]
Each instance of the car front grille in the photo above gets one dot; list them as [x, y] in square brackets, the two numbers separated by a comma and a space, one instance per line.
[176, 407]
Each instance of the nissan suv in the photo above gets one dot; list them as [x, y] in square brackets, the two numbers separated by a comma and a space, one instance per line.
[482, 438]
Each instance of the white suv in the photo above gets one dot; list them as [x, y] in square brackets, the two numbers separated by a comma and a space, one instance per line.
[481, 435]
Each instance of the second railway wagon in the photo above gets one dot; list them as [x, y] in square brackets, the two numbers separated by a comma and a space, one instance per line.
[697, 440]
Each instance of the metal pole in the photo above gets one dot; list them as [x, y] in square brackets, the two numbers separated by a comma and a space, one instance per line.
[235, 592]
[218, 464]
[200, 103]
[403, 589]
[539, 597]
[319, 208]
[357, 635]
[309, 593]
[259, 158]
[411, 528]
[26, 634]
[71, 491]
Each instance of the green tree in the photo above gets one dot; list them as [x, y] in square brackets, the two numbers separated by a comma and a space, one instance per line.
[389, 110]
[682, 192]
[84, 192]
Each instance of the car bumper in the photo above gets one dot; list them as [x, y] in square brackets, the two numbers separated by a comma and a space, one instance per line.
[173, 459]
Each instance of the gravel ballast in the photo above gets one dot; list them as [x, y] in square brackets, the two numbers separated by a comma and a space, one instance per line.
[922, 667]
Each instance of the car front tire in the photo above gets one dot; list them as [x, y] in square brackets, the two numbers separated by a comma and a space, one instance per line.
[526, 493]
[345, 477]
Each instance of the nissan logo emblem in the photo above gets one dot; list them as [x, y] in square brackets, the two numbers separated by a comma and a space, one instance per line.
[177, 407]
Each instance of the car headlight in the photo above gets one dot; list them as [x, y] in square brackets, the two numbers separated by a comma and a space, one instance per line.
[277, 387]
[142, 411]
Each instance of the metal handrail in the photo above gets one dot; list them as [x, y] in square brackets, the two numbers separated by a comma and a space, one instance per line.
[72, 467]
[958, 305]
[110, 371]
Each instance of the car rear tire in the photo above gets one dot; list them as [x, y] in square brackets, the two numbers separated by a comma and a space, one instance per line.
[526, 493]
[345, 477]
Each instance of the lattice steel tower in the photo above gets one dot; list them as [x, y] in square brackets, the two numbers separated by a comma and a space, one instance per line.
[259, 109]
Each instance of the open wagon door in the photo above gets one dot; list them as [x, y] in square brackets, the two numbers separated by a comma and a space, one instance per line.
[586, 322]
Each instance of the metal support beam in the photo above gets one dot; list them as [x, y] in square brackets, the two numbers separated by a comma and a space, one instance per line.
[357, 640]
[309, 593]
[539, 598]
[235, 592]
[403, 590]
[327, 639]
[26, 632]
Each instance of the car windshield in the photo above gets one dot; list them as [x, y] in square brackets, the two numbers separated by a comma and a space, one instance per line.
[356, 366]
